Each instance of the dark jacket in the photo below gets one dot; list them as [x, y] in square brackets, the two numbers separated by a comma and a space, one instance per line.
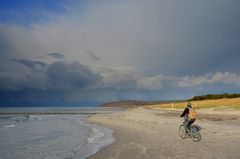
[185, 112]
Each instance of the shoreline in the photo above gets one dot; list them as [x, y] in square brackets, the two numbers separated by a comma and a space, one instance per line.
[62, 136]
[51, 136]
[142, 133]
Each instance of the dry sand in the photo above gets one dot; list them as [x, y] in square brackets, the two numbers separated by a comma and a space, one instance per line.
[153, 134]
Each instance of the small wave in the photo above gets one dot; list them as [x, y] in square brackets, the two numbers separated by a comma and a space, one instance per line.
[35, 117]
[95, 135]
[10, 126]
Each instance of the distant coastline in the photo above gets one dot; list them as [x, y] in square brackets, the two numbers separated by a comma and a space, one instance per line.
[137, 103]
[57, 111]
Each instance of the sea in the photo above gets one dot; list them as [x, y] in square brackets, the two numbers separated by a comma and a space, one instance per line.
[51, 133]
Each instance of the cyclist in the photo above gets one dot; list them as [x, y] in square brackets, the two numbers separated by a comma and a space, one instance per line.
[189, 115]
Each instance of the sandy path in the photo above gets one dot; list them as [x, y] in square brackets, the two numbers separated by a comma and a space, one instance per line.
[153, 134]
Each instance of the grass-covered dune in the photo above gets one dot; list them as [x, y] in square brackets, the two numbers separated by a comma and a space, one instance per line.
[226, 103]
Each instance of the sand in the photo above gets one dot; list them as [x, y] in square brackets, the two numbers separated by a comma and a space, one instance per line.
[153, 134]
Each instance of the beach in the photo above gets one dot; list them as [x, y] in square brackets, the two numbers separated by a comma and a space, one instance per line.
[153, 134]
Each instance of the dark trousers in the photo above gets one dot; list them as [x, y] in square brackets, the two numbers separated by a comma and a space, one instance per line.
[188, 122]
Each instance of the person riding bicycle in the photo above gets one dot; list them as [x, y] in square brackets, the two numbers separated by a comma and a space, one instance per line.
[189, 115]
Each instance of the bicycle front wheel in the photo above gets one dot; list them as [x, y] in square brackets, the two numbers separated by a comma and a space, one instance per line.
[195, 134]
[182, 131]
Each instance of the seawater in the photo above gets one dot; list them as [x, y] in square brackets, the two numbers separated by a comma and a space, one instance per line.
[50, 137]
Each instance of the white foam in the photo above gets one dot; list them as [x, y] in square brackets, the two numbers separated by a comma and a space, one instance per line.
[10, 126]
[95, 135]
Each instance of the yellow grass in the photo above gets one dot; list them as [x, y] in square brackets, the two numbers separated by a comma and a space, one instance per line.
[216, 104]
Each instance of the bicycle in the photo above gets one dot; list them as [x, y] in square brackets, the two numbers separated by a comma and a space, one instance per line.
[193, 132]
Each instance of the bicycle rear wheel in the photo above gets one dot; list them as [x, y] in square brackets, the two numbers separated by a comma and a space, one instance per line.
[182, 131]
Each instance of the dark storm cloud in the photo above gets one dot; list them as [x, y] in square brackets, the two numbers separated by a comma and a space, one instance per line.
[71, 75]
[56, 76]
[56, 55]
[46, 86]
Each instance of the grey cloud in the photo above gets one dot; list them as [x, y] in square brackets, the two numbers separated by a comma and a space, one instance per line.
[210, 78]
[30, 63]
[56, 76]
[151, 83]
[128, 78]
[17, 81]
[11, 81]
[119, 78]
[56, 55]
[93, 56]
[18, 42]
[58, 82]
[78, 82]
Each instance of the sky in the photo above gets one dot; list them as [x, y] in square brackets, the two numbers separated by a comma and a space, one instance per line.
[86, 52]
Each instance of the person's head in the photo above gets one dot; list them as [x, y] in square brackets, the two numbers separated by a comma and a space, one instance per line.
[189, 105]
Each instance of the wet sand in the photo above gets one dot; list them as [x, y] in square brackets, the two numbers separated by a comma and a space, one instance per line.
[153, 134]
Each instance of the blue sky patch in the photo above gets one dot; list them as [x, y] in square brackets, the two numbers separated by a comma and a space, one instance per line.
[25, 12]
